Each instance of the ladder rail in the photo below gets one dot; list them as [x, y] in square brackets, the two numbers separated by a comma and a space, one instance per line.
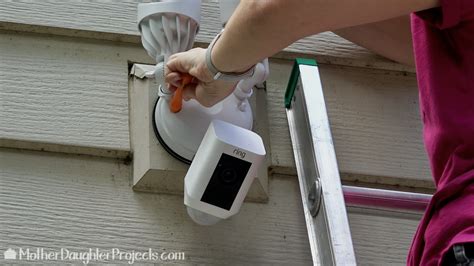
[318, 174]
[323, 196]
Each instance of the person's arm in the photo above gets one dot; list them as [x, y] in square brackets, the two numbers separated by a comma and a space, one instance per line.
[259, 29]
[389, 38]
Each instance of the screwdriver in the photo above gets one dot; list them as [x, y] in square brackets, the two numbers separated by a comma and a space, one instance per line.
[176, 102]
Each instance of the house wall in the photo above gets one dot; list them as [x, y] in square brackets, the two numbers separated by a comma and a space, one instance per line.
[65, 175]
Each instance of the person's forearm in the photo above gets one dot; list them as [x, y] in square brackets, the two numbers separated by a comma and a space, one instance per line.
[260, 28]
[252, 33]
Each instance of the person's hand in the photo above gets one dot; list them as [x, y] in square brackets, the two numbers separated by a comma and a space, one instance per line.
[203, 87]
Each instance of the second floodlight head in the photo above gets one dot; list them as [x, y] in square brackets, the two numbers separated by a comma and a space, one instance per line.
[168, 26]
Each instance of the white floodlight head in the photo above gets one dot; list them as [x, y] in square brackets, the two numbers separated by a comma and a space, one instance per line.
[168, 26]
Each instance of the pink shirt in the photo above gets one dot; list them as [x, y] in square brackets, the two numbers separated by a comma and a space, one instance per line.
[443, 40]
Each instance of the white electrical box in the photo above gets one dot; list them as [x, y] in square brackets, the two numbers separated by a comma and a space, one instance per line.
[154, 170]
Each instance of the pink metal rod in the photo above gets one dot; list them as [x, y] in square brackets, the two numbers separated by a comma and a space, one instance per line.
[387, 199]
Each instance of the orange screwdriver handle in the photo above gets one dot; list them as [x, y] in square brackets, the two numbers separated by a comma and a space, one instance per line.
[176, 102]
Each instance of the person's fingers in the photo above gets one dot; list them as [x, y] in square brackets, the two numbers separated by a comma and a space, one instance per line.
[203, 87]
[178, 63]
[192, 62]
[174, 79]
[183, 62]
[172, 76]
[189, 92]
[172, 88]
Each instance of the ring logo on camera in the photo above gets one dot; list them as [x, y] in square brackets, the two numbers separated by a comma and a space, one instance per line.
[239, 153]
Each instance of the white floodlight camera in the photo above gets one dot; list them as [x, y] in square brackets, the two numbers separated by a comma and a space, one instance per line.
[167, 27]
[222, 172]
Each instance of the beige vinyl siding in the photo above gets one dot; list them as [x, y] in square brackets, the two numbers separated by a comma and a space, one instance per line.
[55, 200]
[117, 22]
[64, 91]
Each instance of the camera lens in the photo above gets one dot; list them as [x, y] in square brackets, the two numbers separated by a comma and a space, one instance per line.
[228, 175]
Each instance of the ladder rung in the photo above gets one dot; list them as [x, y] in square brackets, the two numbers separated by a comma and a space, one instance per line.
[385, 199]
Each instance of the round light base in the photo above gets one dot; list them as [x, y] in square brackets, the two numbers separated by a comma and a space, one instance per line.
[181, 133]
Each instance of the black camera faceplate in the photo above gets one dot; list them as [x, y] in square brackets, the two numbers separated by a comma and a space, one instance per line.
[226, 181]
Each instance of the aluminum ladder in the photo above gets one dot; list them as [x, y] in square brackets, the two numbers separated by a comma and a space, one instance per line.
[323, 196]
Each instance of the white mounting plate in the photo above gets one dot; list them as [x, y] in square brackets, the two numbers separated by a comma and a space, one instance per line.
[154, 170]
